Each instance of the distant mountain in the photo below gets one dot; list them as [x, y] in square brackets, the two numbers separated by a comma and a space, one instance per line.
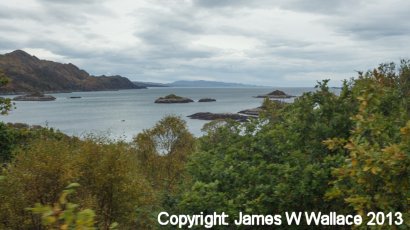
[195, 84]
[149, 84]
[210, 84]
[28, 73]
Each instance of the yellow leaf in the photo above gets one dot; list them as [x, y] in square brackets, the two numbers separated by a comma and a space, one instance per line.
[354, 162]
[374, 170]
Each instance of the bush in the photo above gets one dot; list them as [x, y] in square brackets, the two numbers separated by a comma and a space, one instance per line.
[112, 183]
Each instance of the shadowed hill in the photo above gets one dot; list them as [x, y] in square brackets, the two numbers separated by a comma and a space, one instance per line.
[28, 73]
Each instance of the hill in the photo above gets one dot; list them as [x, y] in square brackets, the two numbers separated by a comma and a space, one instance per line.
[149, 84]
[28, 73]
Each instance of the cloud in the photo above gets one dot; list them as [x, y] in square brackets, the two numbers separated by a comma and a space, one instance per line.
[312, 6]
[375, 21]
[275, 42]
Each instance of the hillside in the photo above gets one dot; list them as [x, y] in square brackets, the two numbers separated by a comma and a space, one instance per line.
[28, 73]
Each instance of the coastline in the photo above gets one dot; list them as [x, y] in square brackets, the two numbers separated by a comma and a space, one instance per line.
[64, 91]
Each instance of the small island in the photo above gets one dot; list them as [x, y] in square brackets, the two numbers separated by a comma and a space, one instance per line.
[36, 96]
[255, 112]
[275, 94]
[172, 98]
[218, 116]
[206, 100]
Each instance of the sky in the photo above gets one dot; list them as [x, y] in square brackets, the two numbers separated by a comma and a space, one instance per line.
[260, 42]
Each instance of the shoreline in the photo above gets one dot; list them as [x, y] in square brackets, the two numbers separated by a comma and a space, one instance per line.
[64, 91]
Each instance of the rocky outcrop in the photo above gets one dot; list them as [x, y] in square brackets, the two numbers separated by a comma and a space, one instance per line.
[255, 112]
[29, 74]
[34, 97]
[218, 116]
[278, 94]
[206, 100]
[172, 98]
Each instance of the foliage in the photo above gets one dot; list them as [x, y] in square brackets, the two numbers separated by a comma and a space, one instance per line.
[112, 176]
[265, 167]
[376, 175]
[345, 151]
[7, 142]
[38, 174]
[17, 135]
[5, 103]
[63, 214]
[112, 183]
[163, 152]
[325, 152]
[171, 96]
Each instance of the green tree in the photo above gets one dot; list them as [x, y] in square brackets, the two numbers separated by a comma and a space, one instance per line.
[324, 152]
[276, 163]
[376, 175]
[5, 103]
[6, 136]
[163, 152]
[7, 142]
[17, 135]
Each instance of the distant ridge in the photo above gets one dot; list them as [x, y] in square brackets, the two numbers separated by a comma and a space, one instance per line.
[29, 74]
[211, 84]
[149, 84]
[198, 84]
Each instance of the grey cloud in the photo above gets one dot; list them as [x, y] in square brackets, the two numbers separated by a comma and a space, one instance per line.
[220, 3]
[373, 27]
[312, 6]
[321, 6]
[168, 35]
[58, 12]
[71, 2]
[160, 42]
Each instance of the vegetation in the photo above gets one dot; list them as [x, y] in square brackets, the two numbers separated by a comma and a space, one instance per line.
[63, 215]
[171, 96]
[5, 103]
[347, 152]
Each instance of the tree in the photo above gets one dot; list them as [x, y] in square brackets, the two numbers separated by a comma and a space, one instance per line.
[112, 184]
[65, 215]
[163, 152]
[269, 165]
[7, 142]
[376, 174]
[325, 152]
[112, 177]
[5, 103]
[6, 135]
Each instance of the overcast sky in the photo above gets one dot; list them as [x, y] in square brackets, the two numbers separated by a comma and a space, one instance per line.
[264, 42]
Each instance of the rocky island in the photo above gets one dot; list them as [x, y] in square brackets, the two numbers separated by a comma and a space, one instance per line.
[172, 98]
[252, 112]
[37, 96]
[206, 100]
[278, 94]
[218, 116]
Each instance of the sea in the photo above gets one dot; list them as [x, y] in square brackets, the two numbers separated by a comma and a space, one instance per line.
[125, 113]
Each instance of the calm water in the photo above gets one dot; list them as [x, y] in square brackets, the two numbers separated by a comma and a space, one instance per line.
[104, 112]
